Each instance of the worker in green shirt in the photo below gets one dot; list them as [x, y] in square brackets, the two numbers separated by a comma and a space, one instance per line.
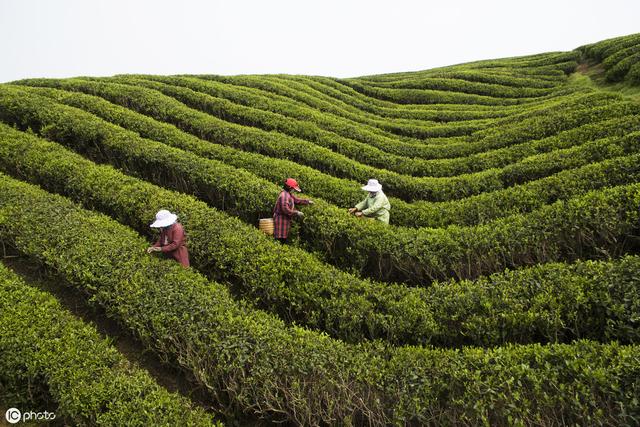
[375, 206]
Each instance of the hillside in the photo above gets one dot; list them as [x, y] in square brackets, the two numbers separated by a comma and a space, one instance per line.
[505, 289]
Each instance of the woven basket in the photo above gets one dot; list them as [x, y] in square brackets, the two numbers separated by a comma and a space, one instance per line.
[266, 226]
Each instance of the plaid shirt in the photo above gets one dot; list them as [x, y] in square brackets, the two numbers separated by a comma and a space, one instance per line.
[283, 212]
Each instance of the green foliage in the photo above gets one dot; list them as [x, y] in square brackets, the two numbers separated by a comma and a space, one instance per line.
[317, 295]
[620, 57]
[603, 49]
[451, 83]
[415, 256]
[526, 287]
[309, 89]
[45, 350]
[327, 95]
[251, 363]
[247, 359]
[549, 121]
[282, 279]
[217, 99]
[620, 70]
[346, 193]
[492, 80]
[531, 385]
[623, 168]
[634, 74]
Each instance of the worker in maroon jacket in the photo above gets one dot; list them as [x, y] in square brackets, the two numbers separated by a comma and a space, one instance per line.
[285, 209]
[172, 241]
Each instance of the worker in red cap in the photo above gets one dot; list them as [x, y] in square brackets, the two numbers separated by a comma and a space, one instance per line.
[285, 209]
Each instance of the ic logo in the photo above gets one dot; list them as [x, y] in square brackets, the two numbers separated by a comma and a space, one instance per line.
[13, 415]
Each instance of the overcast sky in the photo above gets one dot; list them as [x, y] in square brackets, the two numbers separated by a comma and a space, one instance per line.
[341, 38]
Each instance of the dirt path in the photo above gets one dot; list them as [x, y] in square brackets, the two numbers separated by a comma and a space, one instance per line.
[165, 375]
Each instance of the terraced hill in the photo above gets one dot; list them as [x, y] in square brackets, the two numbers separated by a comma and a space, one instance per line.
[505, 290]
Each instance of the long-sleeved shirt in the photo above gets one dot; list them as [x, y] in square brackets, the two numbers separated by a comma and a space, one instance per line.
[283, 212]
[375, 207]
[172, 242]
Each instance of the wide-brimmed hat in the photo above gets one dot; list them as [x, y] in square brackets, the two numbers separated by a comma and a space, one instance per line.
[164, 218]
[373, 186]
[292, 183]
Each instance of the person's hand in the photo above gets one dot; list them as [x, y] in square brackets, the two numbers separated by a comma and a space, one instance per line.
[153, 249]
[352, 210]
[300, 214]
[359, 214]
[311, 202]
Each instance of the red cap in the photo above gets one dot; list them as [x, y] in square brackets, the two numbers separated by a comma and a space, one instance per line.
[292, 183]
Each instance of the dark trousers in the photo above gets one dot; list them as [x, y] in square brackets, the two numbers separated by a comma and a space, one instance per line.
[282, 240]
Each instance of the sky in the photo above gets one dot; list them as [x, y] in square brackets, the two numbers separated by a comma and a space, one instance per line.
[339, 38]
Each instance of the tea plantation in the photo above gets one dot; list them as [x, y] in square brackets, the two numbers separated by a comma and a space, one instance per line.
[504, 291]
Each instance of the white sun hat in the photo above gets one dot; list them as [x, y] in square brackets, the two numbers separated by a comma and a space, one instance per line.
[164, 218]
[373, 186]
